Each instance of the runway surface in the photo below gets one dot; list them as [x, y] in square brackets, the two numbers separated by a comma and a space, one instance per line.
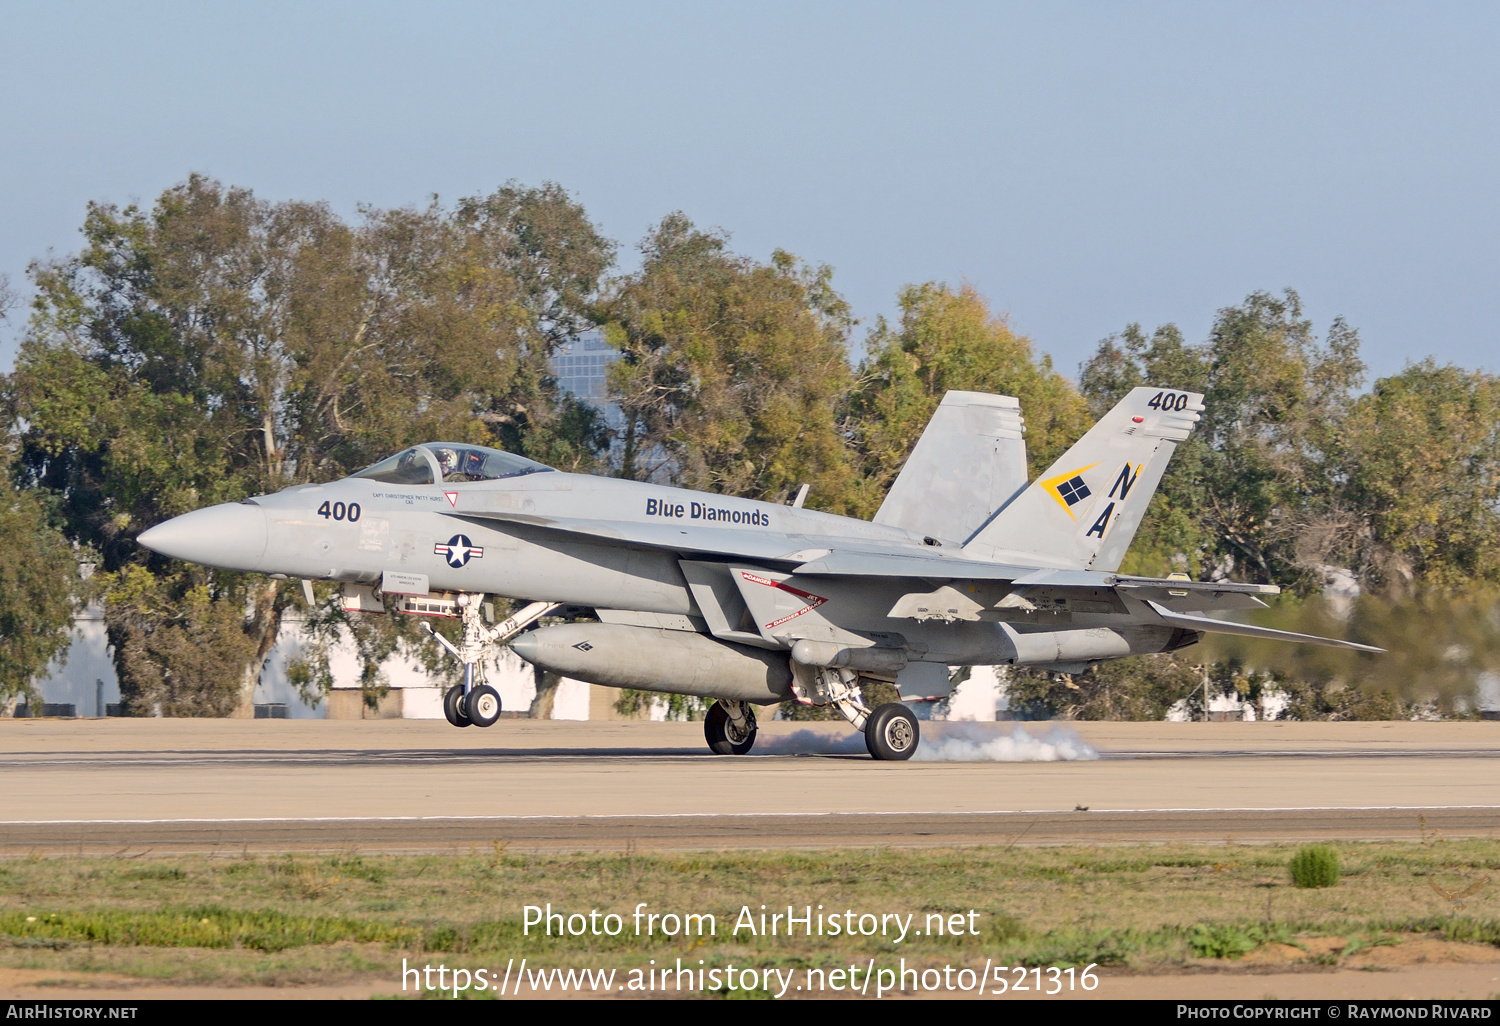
[96, 786]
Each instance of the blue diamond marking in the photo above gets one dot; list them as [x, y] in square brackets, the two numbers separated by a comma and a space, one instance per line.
[1074, 490]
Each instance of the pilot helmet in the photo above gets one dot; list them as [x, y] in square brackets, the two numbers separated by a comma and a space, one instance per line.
[447, 460]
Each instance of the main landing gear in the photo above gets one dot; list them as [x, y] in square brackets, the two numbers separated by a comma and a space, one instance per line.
[729, 727]
[474, 702]
[891, 731]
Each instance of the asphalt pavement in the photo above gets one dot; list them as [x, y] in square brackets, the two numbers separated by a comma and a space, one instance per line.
[127, 785]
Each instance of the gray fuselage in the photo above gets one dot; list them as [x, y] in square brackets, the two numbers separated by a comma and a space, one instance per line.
[575, 539]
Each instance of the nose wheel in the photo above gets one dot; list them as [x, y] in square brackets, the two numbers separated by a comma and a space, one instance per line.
[453, 706]
[482, 706]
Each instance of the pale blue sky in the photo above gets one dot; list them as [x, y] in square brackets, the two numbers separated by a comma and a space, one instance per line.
[1083, 165]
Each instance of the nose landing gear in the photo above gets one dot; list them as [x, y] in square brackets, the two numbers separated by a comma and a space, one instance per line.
[475, 702]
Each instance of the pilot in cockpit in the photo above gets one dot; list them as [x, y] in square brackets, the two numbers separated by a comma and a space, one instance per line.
[461, 465]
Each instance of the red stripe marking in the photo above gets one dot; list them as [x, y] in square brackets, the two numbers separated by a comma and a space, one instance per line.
[813, 601]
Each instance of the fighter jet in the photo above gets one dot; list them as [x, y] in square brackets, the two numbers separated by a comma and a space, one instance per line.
[750, 603]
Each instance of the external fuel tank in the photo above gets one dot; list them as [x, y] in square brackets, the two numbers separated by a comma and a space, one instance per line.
[653, 659]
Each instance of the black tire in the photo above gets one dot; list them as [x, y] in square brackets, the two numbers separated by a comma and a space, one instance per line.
[453, 706]
[719, 732]
[891, 733]
[483, 706]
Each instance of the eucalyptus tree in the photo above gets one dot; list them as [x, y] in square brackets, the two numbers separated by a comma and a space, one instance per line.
[1256, 492]
[733, 371]
[41, 583]
[1421, 454]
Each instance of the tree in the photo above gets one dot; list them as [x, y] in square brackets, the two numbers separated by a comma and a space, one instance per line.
[137, 386]
[422, 324]
[949, 339]
[40, 591]
[733, 371]
[1254, 493]
[1138, 688]
[219, 346]
[42, 583]
[8, 298]
[1438, 644]
[1421, 453]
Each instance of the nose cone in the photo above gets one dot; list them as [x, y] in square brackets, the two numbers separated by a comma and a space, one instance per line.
[231, 536]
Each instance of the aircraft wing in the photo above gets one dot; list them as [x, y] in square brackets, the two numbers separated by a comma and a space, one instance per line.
[1175, 595]
[698, 540]
[853, 563]
[834, 558]
[1170, 600]
[814, 555]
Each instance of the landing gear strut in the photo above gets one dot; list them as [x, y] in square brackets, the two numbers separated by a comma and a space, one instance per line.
[474, 701]
[729, 727]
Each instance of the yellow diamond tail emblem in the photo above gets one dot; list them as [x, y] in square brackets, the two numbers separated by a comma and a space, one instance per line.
[1068, 488]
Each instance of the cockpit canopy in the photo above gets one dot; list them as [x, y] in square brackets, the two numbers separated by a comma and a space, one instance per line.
[450, 463]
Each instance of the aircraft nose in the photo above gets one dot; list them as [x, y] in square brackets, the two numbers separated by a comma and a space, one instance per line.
[231, 536]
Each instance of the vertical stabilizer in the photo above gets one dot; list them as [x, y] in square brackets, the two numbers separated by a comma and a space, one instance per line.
[1084, 510]
[969, 462]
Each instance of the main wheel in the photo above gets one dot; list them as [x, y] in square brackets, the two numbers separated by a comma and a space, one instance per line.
[483, 706]
[891, 732]
[453, 706]
[721, 734]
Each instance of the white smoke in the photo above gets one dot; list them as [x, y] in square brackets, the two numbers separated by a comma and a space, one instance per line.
[811, 742]
[949, 742]
[992, 742]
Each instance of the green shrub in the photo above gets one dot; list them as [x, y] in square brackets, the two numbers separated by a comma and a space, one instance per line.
[206, 926]
[1221, 941]
[1225, 941]
[1315, 865]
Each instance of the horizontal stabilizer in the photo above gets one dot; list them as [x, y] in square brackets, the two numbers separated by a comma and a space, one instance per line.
[1205, 623]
